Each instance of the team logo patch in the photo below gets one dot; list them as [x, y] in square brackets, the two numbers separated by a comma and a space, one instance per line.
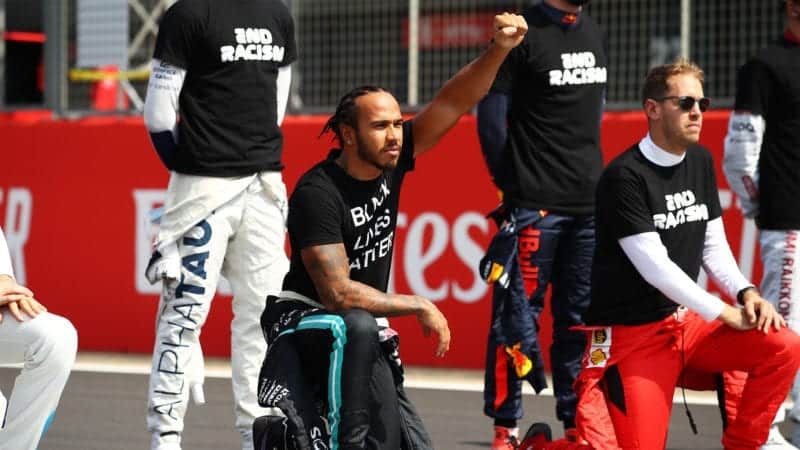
[599, 336]
[496, 271]
[597, 357]
[522, 364]
[600, 348]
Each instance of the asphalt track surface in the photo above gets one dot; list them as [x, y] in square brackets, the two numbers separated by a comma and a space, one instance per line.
[104, 402]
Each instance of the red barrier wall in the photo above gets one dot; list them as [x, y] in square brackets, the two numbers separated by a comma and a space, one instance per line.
[74, 195]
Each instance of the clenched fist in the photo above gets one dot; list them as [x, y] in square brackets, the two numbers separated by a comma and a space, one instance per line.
[509, 29]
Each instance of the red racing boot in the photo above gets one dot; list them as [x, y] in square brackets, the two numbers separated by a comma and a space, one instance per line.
[504, 438]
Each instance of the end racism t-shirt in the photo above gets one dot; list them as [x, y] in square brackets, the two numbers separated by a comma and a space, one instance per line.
[635, 196]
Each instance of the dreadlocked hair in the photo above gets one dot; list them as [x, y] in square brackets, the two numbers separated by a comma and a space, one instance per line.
[346, 112]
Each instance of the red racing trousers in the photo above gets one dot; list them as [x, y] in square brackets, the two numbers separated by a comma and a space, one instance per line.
[629, 376]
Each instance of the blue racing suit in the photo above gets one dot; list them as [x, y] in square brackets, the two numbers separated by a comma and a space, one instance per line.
[531, 250]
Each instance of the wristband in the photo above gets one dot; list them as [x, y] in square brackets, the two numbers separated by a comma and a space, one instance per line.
[740, 294]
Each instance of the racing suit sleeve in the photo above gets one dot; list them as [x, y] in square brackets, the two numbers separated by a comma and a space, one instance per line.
[492, 130]
[650, 258]
[718, 260]
[740, 160]
[161, 108]
[283, 82]
[754, 93]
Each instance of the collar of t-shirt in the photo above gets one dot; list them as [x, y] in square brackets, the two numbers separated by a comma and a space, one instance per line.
[563, 18]
[658, 155]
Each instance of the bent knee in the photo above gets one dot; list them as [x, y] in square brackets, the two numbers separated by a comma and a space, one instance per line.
[57, 340]
[68, 336]
[793, 344]
[360, 324]
[786, 345]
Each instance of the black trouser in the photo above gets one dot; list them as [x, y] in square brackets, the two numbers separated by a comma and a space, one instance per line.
[374, 411]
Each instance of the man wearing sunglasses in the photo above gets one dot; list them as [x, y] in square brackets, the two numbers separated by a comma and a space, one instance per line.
[651, 327]
[762, 164]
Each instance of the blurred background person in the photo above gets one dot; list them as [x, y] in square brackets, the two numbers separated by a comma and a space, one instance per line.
[762, 166]
[539, 129]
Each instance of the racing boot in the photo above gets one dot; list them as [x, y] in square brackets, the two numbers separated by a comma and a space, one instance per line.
[505, 438]
[537, 437]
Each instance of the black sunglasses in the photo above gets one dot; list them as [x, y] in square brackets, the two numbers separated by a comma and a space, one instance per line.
[686, 102]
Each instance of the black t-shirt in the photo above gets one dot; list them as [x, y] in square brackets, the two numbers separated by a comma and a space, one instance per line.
[769, 85]
[636, 196]
[555, 80]
[231, 51]
[330, 207]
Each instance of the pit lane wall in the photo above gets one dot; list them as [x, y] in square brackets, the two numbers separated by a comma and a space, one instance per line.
[74, 198]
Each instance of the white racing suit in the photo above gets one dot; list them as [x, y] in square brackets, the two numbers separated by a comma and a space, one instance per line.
[780, 256]
[46, 347]
[213, 226]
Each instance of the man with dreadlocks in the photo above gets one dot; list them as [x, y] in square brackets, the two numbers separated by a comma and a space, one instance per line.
[342, 217]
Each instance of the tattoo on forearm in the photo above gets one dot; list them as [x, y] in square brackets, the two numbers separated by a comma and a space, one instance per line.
[328, 267]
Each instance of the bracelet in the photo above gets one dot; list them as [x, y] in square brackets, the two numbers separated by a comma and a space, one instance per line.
[740, 294]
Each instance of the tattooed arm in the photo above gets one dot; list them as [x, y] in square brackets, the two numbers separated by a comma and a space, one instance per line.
[329, 269]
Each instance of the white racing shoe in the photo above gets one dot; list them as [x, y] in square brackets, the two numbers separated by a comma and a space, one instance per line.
[776, 441]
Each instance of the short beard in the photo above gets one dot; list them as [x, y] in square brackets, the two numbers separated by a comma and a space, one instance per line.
[370, 158]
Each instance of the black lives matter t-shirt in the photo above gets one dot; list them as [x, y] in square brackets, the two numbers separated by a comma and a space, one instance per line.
[555, 80]
[769, 85]
[231, 51]
[330, 207]
[636, 196]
